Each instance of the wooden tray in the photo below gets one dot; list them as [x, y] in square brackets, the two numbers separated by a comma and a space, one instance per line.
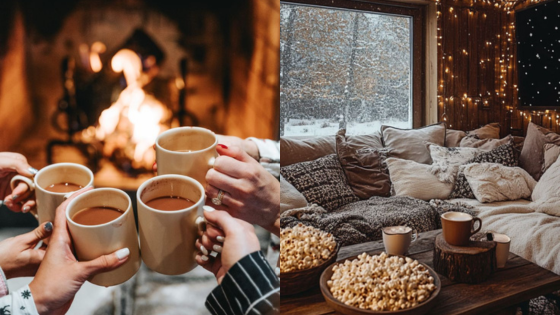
[342, 308]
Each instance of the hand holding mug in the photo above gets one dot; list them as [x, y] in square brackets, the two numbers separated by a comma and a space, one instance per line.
[20, 199]
[245, 189]
[233, 238]
[60, 275]
[18, 258]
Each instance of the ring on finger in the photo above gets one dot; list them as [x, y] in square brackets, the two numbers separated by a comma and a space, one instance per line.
[218, 199]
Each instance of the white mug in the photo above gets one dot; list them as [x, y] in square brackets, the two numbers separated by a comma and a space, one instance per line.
[93, 241]
[167, 238]
[397, 239]
[189, 151]
[502, 249]
[48, 201]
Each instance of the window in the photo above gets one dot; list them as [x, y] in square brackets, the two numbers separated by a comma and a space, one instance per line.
[356, 65]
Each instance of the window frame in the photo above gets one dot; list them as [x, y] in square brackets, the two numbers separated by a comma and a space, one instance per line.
[417, 11]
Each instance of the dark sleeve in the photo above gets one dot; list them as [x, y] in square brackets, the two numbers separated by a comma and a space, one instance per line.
[249, 287]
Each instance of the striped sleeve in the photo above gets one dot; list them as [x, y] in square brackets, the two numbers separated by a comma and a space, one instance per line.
[19, 302]
[250, 287]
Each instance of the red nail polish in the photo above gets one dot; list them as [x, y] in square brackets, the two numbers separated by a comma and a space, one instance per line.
[223, 146]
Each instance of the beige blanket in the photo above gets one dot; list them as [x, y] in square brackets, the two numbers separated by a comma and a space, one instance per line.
[534, 236]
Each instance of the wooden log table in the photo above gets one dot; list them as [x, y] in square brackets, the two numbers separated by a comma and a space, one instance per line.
[519, 281]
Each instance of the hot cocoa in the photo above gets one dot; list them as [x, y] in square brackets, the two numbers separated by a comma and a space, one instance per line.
[170, 203]
[96, 215]
[63, 187]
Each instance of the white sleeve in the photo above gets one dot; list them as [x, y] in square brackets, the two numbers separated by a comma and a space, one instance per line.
[19, 302]
[268, 149]
[3, 284]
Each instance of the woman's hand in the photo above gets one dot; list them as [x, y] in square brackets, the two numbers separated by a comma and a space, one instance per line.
[231, 237]
[21, 199]
[60, 275]
[250, 192]
[18, 258]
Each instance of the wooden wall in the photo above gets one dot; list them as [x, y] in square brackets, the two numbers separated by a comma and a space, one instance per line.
[477, 80]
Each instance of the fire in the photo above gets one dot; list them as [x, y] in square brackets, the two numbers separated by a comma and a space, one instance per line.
[133, 122]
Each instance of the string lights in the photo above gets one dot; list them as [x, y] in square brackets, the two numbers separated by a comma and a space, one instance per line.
[495, 59]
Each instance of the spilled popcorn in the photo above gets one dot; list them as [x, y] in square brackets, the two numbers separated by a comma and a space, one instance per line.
[381, 283]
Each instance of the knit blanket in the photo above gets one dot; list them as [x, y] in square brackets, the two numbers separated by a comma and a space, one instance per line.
[362, 221]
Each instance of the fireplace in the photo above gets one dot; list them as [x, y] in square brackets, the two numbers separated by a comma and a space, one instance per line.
[95, 82]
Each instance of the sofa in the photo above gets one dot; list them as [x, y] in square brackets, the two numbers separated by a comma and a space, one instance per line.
[353, 186]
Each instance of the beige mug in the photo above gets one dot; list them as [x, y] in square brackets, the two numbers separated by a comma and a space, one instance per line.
[397, 239]
[502, 249]
[189, 151]
[458, 227]
[48, 201]
[167, 238]
[93, 241]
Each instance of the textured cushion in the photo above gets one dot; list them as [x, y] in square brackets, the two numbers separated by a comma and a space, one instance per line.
[551, 153]
[446, 161]
[290, 197]
[453, 137]
[415, 180]
[410, 144]
[364, 167]
[303, 150]
[546, 195]
[491, 182]
[532, 155]
[321, 181]
[503, 154]
[490, 131]
[487, 144]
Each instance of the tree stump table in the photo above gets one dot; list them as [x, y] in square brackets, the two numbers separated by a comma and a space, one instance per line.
[473, 263]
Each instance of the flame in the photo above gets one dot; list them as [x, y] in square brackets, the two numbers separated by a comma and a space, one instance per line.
[134, 121]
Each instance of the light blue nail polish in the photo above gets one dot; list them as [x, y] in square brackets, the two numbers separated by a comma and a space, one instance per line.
[25, 209]
[14, 197]
[33, 170]
[48, 227]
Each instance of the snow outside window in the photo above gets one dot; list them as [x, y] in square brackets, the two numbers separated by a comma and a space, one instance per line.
[343, 69]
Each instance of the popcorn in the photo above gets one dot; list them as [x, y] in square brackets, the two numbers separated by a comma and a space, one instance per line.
[304, 247]
[381, 283]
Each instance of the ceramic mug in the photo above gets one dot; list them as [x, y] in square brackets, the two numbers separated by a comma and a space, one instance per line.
[189, 151]
[502, 249]
[397, 239]
[92, 241]
[458, 227]
[48, 201]
[167, 238]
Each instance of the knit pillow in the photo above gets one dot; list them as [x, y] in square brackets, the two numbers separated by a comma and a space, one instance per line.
[321, 181]
[503, 154]
[446, 161]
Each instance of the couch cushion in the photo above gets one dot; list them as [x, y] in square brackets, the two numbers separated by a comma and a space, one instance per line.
[364, 167]
[415, 180]
[484, 144]
[503, 154]
[453, 137]
[321, 181]
[491, 182]
[290, 197]
[294, 150]
[546, 195]
[532, 155]
[489, 131]
[410, 144]
[551, 153]
[446, 161]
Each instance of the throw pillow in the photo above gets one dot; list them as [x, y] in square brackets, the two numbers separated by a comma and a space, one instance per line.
[365, 167]
[489, 131]
[290, 197]
[503, 154]
[532, 155]
[321, 181]
[446, 161]
[487, 144]
[307, 149]
[453, 137]
[409, 144]
[546, 195]
[551, 153]
[491, 182]
[415, 180]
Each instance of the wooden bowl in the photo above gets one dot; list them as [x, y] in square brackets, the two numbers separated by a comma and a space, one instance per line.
[302, 280]
[342, 308]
